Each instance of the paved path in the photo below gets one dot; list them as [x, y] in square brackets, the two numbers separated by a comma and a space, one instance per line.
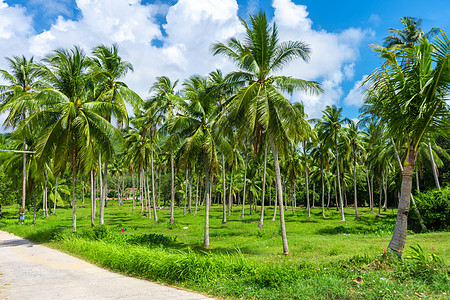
[31, 271]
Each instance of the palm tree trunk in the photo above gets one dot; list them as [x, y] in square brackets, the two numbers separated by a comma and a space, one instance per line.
[372, 193]
[230, 194]
[224, 204]
[92, 198]
[417, 181]
[24, 174]
[308, 208]
[323, 186]
[196, 195]
[412, 198]
[148, 194]
[134, 192]
[186, 191]
[159, 186]
[275, 201]
[381, 195]
[34, 201]
[155, 216]
[313, 195]
[354, 186]
[44, 190]
[398, 240]
[74, 191]
[141, 189]
[385, 191]
[339, 184]
[56, 189]
[190, 192]
[207, 204]
[102, 199]
[172, 198]
[261, 219]
[105, 187]
[280, 196]
[245, 185]
[434, 168]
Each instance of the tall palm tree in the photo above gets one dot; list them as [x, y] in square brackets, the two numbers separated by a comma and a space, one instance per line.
[410, 99]
[166, 104]
[108, 68]
[70, 124]
[18, 98]
[331, 126]
[195, 128]
[306, 135]
[356, 148]
[260, 105]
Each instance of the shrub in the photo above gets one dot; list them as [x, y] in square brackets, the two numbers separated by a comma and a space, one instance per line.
[434, 206]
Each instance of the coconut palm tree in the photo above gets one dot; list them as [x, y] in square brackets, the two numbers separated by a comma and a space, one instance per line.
[70, 124]
[331, 126]
[409, 36]
[410, 99]
[357, 148]
[260, 105]
[195, 128]
[18, 98]
[107, 70]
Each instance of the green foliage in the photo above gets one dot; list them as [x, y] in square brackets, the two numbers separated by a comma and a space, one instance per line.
[151, 238]
[434, 206]
[100, 232]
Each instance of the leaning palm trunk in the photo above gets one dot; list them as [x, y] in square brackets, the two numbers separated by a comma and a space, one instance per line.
[207, 204]
[280, 196]
[24, 174]
[433, 166]
[412, 198]
[245, 185]
[190, 192]
[224, 204]
[398, 240]
[261, 219]
[172, 198]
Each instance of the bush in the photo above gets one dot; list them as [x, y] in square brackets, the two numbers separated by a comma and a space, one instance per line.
[434, 206]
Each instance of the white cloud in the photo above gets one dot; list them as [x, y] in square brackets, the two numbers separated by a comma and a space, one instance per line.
[355, 96]
[332, 58]
[192, 26]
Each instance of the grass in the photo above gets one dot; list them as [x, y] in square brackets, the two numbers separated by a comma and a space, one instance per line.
[328, 258]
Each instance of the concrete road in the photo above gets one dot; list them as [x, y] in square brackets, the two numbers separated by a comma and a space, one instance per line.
[31, 271]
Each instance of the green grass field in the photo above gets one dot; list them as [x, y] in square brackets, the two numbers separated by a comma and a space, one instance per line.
[328, 258]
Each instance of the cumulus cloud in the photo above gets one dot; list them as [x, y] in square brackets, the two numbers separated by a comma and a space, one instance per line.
[355, 95]
[191, 27]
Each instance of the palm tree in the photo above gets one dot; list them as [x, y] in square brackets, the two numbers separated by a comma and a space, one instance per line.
[167, 102]
[306, 135]
[410, 99]
[331, 126]
[409, 36]
[70, 124]
[195, 128]
[356, 148]
[260, 106]
[18, 97]
[108, 68]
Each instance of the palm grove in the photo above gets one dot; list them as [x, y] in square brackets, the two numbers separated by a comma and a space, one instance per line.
[225, 139]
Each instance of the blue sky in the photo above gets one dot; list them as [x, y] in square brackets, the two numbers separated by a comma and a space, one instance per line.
[172, 37]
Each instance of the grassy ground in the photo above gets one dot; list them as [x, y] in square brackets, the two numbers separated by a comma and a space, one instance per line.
[328, 258]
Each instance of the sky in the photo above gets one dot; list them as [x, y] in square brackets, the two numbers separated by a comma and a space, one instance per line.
[174, 37]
